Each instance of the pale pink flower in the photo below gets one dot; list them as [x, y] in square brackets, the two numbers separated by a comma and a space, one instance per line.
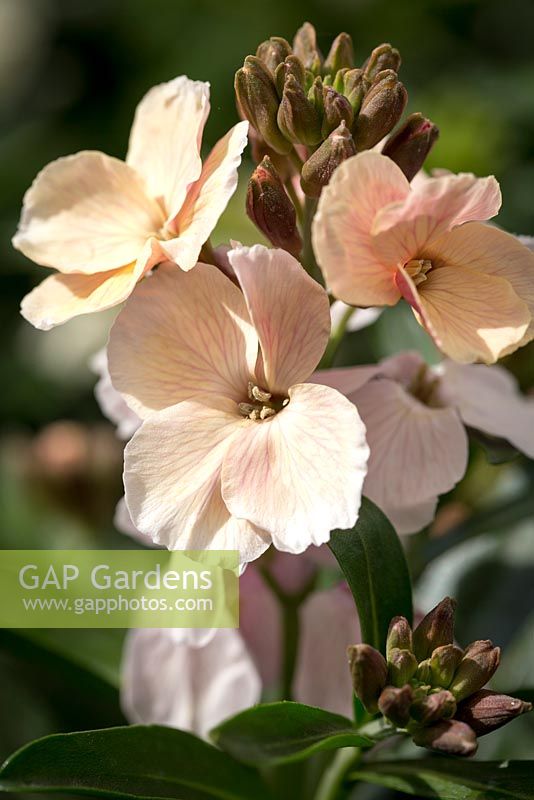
[103, 223]
[416, 416]
[235, 451]
[112, 403]
[377, 238]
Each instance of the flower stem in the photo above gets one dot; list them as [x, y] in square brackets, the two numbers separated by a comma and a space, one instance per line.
[295, 199]
[335, 340]
[334, 777]
[308, 256]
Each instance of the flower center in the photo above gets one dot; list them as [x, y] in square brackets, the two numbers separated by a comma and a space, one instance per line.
[417, 269]
[423, 386]
[261, 404]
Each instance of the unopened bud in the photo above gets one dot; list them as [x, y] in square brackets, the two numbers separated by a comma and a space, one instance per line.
[380, 111]
[320, 166]
[399, 635]
[411, 144]
[297, 117]
[270, 208]
[486, 711]
[433, 707]
[305, 48]
[448, 736]
[355, 85]
[336, 109]
[273, 52]
[402, 666]
[369, 671]
[341, 54]
[394, 703]
[424, 672]
[478, 665]
[258, 101]
[443, 664]
[435, 629]
[383, 57]
[291, 66]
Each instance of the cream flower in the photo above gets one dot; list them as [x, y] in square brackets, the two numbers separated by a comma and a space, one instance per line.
[416, 418]
[235, 451]
[103, 223]
[377, 238]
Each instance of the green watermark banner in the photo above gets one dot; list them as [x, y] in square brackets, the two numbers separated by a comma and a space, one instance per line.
[119, 589]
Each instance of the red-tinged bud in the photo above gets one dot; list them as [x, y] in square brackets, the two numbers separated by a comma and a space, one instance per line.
[433, 707]
[341, 54]
[270, 208]
[485, 711]
[305, 48]
[291, 66]
[336, 109]
[297, 116]
[411, 144]
[399, 635]
[258, 102]
[319, 168]
[449, 736]
[273, 52]
[478, 665]
[380, 111]
[394, 703]
[383, 57]
[369, 671]
[355, 85]
[435, 629]
[443, 664]
[402, 666]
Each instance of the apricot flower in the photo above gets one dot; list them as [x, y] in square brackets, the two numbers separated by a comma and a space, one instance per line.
[235, 450]
[377, 238]
[103, 223]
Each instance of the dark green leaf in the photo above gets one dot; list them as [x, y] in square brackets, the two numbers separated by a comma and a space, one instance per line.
[284, 732]
[132, 762]
[453, 779]
[373, 562]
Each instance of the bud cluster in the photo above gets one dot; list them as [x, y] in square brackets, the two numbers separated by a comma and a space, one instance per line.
[429, 687]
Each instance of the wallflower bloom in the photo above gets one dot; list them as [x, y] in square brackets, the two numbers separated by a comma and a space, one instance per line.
[103, 223]
[377, 238]
[235, 451]
[416, 418]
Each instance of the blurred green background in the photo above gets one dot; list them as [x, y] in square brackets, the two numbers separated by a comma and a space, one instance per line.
[71, 73]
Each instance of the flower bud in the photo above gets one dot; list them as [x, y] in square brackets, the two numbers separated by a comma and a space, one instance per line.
[479, 663]
[380, 111]
[369, 671]
[435, 630]
[399, 635]
[355, 85]
[273, 52]
[258, 102]
[443, 664]
[394, 703]
[336, 109]
[341, 54]
[297, 117]
[270, 208]
[318, 169]
[383, 57]
[305, 48]
[291, 66]
[401, 666]
[433, 707]
[486, 711]
[411, 144]
[448, 736]
[424, 672]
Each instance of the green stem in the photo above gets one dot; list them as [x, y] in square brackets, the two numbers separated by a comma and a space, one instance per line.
[295, 199]
[308, 256]
[334, 777]
[336, 337]
[296, 160]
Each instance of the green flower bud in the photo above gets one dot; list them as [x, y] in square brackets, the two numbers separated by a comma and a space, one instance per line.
[305, 48]
[486, 711]
[424, 672]
[297, 117]
[443, 664]
[318, 169]
[435, 630]
[479, 663]
[316, 95]
[383, 57]
[380, 111]
[402, 666]
[338, 83]
[341, 54]
[270, 208]
[433, 707]
[369, 671]
[258, 101]
[411, 144]
[337, 109]
[448, 736]
[273, 52]
[394, 703]
[399, 635]
[291, 66]
[355, 85]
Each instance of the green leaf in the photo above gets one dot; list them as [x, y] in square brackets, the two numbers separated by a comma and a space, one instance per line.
[285, 732]
[453, 779]
[139, 761]
[373, 562]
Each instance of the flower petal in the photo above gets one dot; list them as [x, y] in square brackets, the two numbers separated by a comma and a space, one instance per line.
[298, 475]
[207, 198]
[86, 213]
[172, 471]
[165, 140]
[260, 624]
[289, 310]
[345, 379]
[360, 318]
[112, 403]
[342, 241]
[182, 335]
[417, 452]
